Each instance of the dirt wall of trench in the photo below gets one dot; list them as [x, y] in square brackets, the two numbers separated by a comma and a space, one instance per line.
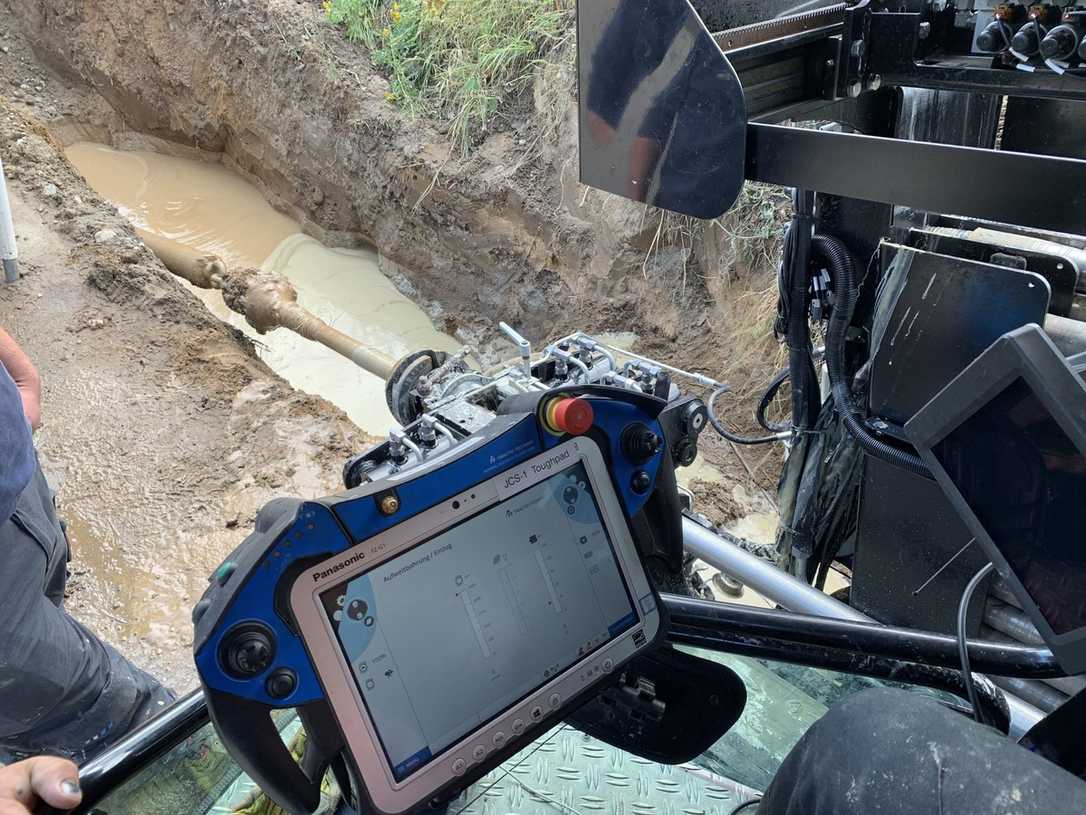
[506, 232]
[163, 434]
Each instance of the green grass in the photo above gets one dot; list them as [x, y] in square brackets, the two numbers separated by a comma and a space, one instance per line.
[454, 58]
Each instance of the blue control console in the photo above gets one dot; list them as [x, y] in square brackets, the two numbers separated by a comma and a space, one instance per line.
[252, 651]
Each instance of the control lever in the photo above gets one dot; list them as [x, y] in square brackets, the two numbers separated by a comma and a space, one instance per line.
[399, 444]
[523, 346]
[427, 432]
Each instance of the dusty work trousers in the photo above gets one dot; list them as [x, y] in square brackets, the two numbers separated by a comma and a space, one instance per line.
[62, 690]
[895, 753]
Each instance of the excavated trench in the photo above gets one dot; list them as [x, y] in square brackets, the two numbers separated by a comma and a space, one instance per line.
[252, 130]
[198, 203]
[193, 201]
[507, 232]
[277, 91]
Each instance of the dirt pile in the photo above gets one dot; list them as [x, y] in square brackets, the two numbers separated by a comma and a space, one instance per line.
[163, 433]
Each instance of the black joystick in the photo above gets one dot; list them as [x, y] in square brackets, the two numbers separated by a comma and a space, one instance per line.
[1027, 41]
[281, 683]
[995, 37]
[639, 443]
[1060, 43]
[247, 651]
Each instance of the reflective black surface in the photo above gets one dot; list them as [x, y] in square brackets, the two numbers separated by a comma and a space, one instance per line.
[662, 113]
[1025, 480]
[941, 313]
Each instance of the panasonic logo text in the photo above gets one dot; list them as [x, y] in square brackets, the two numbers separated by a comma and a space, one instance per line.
[338, 567]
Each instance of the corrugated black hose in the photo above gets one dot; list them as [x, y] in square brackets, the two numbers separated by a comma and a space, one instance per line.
[792, 324]
[806, 402]
[846, 294]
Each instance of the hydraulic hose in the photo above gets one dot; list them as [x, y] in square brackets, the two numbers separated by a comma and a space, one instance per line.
[767, 399]
[710, 408]
[845, 296]
[795, 264]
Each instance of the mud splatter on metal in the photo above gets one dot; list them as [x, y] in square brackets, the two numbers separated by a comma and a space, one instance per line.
[593, 777]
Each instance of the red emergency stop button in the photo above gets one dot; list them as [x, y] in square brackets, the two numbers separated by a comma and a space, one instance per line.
[568, 414]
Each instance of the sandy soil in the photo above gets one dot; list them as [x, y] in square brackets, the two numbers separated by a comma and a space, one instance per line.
[163, 434]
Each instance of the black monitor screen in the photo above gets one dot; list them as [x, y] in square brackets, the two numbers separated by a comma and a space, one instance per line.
[1025, 480]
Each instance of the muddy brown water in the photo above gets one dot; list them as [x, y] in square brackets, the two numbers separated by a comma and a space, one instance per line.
[206, 206]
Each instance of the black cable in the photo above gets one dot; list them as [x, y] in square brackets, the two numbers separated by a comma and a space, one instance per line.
[784, 283]
[710, 408]
[806, 400]
[845, 295]
[767, 399]
[745, 805]
[963, 648]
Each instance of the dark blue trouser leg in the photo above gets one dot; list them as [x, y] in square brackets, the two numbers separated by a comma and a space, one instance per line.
[62, 690]
[895, 753]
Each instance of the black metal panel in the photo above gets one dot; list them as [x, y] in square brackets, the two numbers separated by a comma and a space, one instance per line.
[907, 529]
[1050, 192]
[1046, 126]
[781, 82]
[1060, 272]
[941, 313]
[860, 225]
[948, 117]
[975, 74]
[661, 109]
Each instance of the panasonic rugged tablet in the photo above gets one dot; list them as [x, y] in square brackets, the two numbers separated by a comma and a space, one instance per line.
[443, 638]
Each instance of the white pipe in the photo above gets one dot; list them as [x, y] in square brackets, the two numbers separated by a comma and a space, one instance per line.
[762, 576]
[9, 255]
[795, 595]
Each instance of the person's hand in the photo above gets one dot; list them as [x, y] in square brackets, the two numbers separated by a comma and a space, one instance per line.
[30, 391]
[25, 376]
[25, 784]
